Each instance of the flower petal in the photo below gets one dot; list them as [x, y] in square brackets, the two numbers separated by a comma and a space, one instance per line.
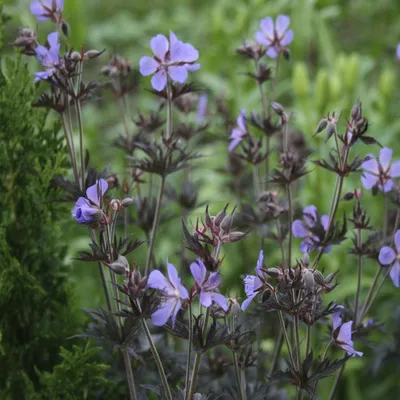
[325, 221]
[158, 281]
[310, 215]
[178, 306]
[220, 300]
[387, 187]
[60, 4]
[198, 271]
[272, 52]
[178, 73]
[241, 121]
[38, 11]
[368, 180]
[336, 319]
[371, 164]
[213, 281]
[162, 314]
[205, 298]
[395, 169]
[183, 292]
[395, 274]
[246, 303]
[159, 80]
[95, 192]
[345, 333]
[397, 240]
[159, 44]
[173, 275]
[267, 26]
[386, 255]
[287, 38]
[180, 51]
[385, 156]
[262, 39]
[233, 144]
[260, 262]
[398, 51]
[281, 25]
[148, 65]
[192, 67]
[299, 230]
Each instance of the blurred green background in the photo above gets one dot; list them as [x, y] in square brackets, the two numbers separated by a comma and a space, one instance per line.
[342, 51]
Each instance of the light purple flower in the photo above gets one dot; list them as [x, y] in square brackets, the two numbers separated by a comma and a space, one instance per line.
[173, 59]
[44, 10]
[207, 286]
[304, 229]
[173, 292]
[342, 334]
[49, 58]
[88, 210]
[380, 172]
[253, 284]
[275, 36]
[389, 256]
[239, 131]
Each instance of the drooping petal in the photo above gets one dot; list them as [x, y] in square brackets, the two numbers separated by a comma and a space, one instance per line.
[178, 73]
[246, 303]
[272, 52]
[395, 169]
[233, 144]
[282, 24]
[205, 298]
[385, 156]
[159, 44]
[371, 164]
[386, 255]
[38, 11]
[267, 26]
[345, 333]
[299, 230]
[95, 192]
[368, 180]
[336, 319]
[350, 349]
[162, 314]
[158, 281]
[287, 38]
[173, 275]
[395, 274]
[43, 75]
[180, 51]
[220, 300]
[198, 271]
[397, 240]
[159, 80]
[237, 134]
[42, 54]
[241, 121]
[262, 39]
[148, 65]
[387, 186]
[325, 221]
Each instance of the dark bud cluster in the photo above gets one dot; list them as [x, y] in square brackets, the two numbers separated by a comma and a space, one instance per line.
[251, 50]
[27, 39]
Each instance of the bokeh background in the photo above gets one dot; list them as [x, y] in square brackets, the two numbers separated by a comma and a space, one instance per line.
[342, 51]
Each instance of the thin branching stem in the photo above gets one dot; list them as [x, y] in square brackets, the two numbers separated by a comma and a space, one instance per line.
[359, 275]
[335, 383]
[188, 362]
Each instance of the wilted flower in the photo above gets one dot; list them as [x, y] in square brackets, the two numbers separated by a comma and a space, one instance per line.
[239, 131]
[173, 292]
[342, 334]
[252, 283]
[380, 173]
[49, 58]
[174, 58]
[389, 256]
[207, 286]
[275, 36]
[304, 229]
[88, 210]
[44, 10]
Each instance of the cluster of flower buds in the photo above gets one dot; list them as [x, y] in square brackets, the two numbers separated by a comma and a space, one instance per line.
[119, 71]
[27, 39]
[117, 204]
[356, 127]
[269, 205]
[329, 124]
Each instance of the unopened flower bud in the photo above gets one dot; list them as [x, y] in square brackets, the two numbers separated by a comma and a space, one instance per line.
[115, 204]
[233, 237]
[321, 126]
[329, 278]
[356, 112]
[127, 201]
[319, 278]
[227, 222]
[75, 56]
[220, 216]
[120, 267]
[274, 272]
[278, 108]
[93, 53]
[308, 279]
[306, 258]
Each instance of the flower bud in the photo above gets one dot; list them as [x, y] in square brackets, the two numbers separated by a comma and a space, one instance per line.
[319, 278]
[273, 272]
[75, 56]
[306, 259]
[120, 267]
[221, 215]
[278, 108]
[308, 279]
[93, 54]
[127, 201]
[321, 126]
[116, 204]
[227, 222]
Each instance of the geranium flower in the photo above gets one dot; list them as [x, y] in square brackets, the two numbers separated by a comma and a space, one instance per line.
[304, 229]
[275, 36]
[389, 256]
[253, 283]
[173, 59]
[207, 286]
[49, 58]
[44, 10]
[342, 335]
[88, 210]
[380, 173]
[173, 292]
[239, 131]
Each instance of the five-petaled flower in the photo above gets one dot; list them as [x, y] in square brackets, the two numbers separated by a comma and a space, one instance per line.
[173, 59]
[389, 256]
[380, 173]
[342, 334]
[89, 210]
[44, 10]
[207, 286]
[253, 284]
[48, 57]
[173, 292]
[239, 132]
[306, 229]
[275, 36]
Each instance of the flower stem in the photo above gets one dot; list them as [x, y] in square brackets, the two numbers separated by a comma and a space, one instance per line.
[237, 375]
[278, 347]
[338, 375]
[129, 375]
[297, 341]
[285, 334]
[155, 225]
[290, 221]
[187, 380]
[195, 372]
[359, 273]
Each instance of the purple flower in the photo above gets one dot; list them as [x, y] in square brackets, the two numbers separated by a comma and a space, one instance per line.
[207, 286]
[304, 229]
[44, 10]
[275, 36]
[239, 131]
[388, 256]
[342, 334]
[380, 173]
[253, 283]
[49, 58]
[88, 210]
[173, 58]
[173, 294]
